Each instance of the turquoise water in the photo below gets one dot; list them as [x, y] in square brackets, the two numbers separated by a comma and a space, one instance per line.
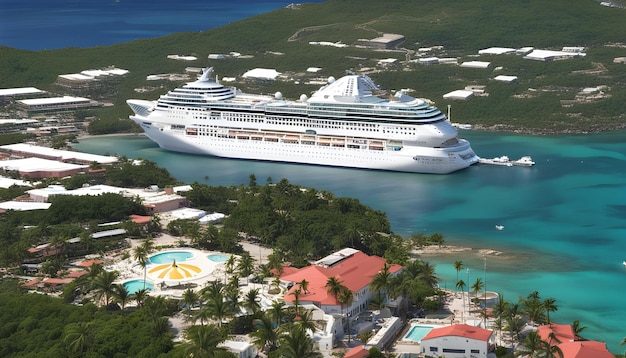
[169, 256]
[218, 258]
[417, 333]
[564, 219]
[136, 285]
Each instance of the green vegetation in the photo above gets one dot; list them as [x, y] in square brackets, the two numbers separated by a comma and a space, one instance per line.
[281, 40]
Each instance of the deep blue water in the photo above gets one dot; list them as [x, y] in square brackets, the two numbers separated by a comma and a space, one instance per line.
[564, 218]
[52, 24]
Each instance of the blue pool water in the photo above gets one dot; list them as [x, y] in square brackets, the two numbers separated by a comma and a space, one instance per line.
[218, 257]
[169, 256]
[136, 285]
[417, 333]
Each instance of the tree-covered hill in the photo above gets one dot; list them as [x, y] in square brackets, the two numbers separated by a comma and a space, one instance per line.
[281, 40]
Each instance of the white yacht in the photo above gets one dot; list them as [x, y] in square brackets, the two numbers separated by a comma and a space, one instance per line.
[348, 122]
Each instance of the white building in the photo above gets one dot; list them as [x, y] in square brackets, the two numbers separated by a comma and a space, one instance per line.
[240, 349]
[476, 64]
[261, 74]
[496, 51]
[463, 95]
[457, 341]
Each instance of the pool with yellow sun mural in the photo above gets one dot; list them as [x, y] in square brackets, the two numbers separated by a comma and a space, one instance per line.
[188, 265]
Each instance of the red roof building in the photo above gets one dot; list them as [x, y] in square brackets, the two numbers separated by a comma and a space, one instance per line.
[557, 333]
[353, 268]
[459, 340]
[585, 349]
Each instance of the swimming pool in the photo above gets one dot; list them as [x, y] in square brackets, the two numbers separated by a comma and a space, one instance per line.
[133, 286]
[167, 257]
[417, 333]
[218, 257]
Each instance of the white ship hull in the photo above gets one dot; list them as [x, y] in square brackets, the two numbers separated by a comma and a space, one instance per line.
[408, 159]
[341, 126]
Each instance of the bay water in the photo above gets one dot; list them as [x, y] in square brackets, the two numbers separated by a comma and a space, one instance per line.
[564, 218]
[52, 24]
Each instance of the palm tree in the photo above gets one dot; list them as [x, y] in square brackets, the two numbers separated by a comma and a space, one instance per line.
[427, 273]
[122, 296]
[304, 285]
[104, 285]
[305, 321]
[140, 254]
[203, 341]
[78, 337]
[251, 301]
[530, 346]
[265, 337]
[277, 311]
[140, 296]
[549, 304]
[190, 298]
[203, 315]
[578, 328]
[155, 307]
[245, 266]
[381, 282]
[346, 297]
[460, 285]
[458, 266]
[334, 287]
[296, 344]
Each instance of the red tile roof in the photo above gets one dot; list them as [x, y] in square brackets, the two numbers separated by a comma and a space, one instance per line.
[562, 332]
[88, 263]
[140, 219]
[357, 352]
[355, 272]
[585, 349]
[460, 330]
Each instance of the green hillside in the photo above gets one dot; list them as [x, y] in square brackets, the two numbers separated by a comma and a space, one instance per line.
[281, 39]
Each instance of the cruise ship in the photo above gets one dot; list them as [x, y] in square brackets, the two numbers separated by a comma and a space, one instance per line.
[349, 122]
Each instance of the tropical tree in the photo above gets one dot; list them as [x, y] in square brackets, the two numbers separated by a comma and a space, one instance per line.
[121, 295]
[578, 329]
[530, 346]
[155, 307]
[251, 301]
[245, 266]
[190, 298]
[266, 336]
[346, 297]
[549, 305]
[277, 311]
[78, 337]
[458, 266]
[104, 285]
[140, 296]
[295, 343]
[381, 282]
[304, 285]
[203, 342]
[141, 255]
[334, 287]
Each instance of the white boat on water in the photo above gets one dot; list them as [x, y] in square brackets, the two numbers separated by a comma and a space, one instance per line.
[499, 227]
[525, 161]
[503, 160]
[349, 122]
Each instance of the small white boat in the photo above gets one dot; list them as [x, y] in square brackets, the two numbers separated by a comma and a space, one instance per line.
[503, 160]
[525, 161]
[624, 263]
[500, 227]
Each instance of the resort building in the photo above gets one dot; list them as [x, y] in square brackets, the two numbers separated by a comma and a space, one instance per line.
[8, 95]
[89, 79]
[572, 346]
[56, 104]
[37, 168]
[25, 150]
[384, 42]
[457, 341]
[353, 268]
